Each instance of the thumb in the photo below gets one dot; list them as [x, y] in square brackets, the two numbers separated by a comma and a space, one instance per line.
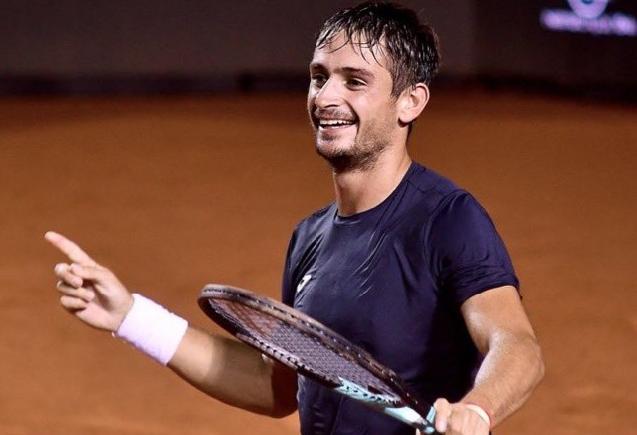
[443, 412]
[117, 300]
[92, 273]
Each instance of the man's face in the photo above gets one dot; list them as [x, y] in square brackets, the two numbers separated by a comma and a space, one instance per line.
[350, 104]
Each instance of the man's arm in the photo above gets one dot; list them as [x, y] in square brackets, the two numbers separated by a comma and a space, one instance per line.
[513, 363]
[512, 366]
[235, 373]
[223, 368]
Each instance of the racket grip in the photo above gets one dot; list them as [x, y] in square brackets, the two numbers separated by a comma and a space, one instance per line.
[407, 415]
[426, 425]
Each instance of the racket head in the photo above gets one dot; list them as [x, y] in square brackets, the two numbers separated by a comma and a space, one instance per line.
[305, 345]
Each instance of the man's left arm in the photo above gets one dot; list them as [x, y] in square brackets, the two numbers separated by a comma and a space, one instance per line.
[511, 369]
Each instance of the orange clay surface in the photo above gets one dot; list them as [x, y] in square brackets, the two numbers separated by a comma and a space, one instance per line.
[172, 193]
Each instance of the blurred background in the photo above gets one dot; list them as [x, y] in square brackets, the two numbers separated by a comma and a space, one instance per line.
[78, 47]
[170, 140]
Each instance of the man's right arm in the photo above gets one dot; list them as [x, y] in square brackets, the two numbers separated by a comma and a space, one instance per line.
[223, 368]
[235, 373]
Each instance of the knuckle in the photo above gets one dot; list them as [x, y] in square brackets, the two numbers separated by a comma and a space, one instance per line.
[67, 279]
[440, 402]
[443, 408]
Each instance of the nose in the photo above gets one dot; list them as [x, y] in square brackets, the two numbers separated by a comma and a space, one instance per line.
[329, 95]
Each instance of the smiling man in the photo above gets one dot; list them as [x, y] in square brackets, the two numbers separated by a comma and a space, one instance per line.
[404, 263]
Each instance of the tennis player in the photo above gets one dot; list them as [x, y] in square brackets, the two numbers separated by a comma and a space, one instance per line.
[404, 263]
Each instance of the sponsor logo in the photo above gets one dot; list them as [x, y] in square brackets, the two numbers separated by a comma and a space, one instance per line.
[303, 283]
[588, 9]
[589, 16]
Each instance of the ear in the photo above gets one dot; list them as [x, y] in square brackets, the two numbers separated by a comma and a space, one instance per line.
[411, 102]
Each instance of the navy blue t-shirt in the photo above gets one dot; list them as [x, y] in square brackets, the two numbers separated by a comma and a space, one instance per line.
[391, 280]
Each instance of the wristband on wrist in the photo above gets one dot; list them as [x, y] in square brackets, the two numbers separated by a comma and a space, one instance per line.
[481, 412]
[152, 329]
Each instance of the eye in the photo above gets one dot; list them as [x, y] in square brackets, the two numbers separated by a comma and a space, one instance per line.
[318, 80]
[354, 83]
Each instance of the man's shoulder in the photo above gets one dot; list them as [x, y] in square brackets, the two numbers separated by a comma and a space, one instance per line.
[430, 182]
[430, 189]
[313, 223]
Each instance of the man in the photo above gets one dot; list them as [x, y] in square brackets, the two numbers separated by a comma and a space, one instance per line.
[404, 263]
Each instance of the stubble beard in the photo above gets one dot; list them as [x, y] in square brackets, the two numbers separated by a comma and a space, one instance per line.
[362, 155]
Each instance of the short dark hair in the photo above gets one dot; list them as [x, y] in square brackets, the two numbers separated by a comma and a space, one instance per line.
[410, 46]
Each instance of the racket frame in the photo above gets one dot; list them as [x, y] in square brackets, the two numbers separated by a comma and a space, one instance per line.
[407, 408]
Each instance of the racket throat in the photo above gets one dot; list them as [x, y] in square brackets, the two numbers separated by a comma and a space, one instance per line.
[388, 405]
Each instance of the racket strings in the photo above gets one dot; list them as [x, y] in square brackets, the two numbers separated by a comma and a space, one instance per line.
[277, 337]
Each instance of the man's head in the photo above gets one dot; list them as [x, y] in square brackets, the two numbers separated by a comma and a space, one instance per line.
[409, 46]
[370, 71]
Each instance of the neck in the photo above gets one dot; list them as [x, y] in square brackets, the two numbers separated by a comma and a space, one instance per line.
[360, 190]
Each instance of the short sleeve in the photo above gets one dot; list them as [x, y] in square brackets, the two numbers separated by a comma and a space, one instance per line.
[466, 254]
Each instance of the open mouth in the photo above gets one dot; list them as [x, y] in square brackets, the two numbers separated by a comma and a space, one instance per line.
[333, 124]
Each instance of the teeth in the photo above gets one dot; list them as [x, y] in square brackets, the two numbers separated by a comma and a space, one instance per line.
[334, 122]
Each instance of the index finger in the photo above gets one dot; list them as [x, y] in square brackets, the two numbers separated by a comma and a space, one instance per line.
[70, 249]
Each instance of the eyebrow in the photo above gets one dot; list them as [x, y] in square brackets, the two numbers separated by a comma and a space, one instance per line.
[358, 71]
[346, 69]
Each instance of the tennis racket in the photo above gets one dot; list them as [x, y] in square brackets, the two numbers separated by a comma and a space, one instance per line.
[315, 351]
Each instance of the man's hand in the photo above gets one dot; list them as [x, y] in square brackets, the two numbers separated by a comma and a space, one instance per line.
[89, 291]
[458, 419]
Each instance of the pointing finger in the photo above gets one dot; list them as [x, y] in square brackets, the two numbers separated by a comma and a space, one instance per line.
[72, 250]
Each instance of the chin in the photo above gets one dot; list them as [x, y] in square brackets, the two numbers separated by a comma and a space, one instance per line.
[348, 159]
[334, 147]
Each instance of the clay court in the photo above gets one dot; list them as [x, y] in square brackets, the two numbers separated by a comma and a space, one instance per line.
[176, 192]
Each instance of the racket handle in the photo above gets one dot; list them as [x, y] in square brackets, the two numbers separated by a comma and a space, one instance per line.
[427, 424]
[414, 419]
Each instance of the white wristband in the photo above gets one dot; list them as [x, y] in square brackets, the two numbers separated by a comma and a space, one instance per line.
[481, 412]
[152, 329]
